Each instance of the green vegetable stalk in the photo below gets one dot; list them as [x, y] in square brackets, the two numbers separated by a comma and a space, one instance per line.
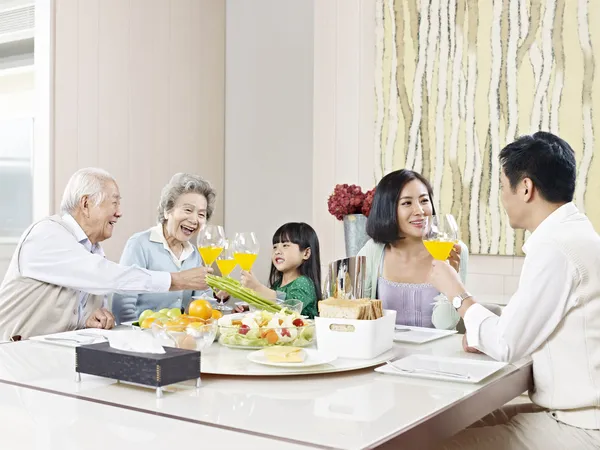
[234, 288]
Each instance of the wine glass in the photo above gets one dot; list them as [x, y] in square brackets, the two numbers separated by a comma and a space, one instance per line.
[226, 264]
[439, 235]
[245, 249]
[211, 241]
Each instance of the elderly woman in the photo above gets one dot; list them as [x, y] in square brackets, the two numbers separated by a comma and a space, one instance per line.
[186, 203]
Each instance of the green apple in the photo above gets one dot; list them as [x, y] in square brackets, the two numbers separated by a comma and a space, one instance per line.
[164, 311]
[145, 314]
[158, 317]
[174, 312]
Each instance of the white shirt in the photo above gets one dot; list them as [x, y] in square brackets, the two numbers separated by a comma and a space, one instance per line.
[157, 235]
[554, 316]
[50, 254]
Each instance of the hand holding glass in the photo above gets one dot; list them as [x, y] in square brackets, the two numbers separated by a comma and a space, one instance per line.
[439, 235]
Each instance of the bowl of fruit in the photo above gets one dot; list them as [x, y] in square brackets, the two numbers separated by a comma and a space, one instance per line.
[260, 329]
[186, 333]
[195, 330]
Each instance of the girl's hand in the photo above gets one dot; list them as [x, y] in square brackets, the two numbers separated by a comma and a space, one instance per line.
[249, 281]
[239, 309]
[454, 258]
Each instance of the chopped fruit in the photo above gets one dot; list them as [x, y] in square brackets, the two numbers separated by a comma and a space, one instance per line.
[216, 314]
[298, 323]
[285, 332]
[236, 323]
[280, 321]
[264, 332]
[147, 323]
[244, 329]
[200, 308]
[272, 337]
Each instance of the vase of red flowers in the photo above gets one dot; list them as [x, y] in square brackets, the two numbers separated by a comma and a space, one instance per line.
[351, 205]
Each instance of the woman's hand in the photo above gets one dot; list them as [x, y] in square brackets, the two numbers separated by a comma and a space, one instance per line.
[249, 281]
[454, 258]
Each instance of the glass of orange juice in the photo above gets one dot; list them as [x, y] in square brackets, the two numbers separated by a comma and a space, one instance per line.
[211, 240]
[245, 249]
[439, 235]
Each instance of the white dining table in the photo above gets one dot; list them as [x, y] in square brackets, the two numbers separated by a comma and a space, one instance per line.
[360, 409]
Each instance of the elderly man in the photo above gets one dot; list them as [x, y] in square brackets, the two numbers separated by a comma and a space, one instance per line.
[554, 316]
[58, 277]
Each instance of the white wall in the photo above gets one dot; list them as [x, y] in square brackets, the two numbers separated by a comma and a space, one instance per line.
[138, 90]
[269, 118]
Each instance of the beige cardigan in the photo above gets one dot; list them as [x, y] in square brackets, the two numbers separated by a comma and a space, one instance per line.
[31, 307]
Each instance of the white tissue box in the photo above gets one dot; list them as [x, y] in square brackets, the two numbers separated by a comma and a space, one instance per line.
[356, 339]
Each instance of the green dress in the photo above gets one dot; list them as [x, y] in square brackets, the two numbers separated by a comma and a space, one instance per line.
[303, 289]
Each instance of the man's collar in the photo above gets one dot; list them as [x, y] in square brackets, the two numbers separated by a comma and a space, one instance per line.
[75, 227]
[549, 222]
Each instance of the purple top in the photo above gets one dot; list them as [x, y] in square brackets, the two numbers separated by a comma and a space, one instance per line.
[413, 302]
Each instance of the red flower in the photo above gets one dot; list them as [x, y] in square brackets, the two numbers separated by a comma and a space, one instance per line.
[346, 199]
[368, 202]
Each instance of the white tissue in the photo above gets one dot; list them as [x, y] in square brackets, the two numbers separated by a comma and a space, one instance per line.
[134, 341]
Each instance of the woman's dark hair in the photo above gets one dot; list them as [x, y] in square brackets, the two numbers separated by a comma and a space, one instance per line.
[547, 160]
[305, 236]
[382, 224]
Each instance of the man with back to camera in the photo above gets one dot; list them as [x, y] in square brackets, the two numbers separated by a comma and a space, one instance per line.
[554, 316]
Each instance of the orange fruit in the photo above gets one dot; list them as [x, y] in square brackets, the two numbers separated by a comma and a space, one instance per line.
[216, 314]
[200, 308]
[147, 323]
[272, 337]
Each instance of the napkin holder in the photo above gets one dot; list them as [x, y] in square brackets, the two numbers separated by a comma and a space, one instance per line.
[148, 369]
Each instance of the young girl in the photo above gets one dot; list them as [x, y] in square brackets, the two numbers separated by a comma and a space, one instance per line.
[295, 267]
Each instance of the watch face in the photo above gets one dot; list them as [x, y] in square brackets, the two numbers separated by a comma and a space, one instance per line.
[456, 302]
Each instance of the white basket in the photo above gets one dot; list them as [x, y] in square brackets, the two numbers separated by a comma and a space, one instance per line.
[357, 339]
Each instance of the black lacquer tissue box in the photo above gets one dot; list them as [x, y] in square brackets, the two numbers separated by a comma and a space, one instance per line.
[148, 369]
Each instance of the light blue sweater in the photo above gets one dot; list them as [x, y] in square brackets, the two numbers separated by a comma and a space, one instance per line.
[144, 251]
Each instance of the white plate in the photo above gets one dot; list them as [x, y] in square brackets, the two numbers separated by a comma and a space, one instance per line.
[313, 358]
[442, 368]
[419, 335]
[74, 338]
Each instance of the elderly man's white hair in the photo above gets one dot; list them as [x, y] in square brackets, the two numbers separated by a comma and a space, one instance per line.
[89, 181]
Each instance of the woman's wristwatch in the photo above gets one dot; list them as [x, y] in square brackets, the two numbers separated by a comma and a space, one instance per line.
[457, 301]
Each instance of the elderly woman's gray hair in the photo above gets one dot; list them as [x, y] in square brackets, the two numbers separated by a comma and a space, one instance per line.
[89, 181]
[184, 183]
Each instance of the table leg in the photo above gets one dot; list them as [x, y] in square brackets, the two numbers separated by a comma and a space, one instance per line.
[159, 392]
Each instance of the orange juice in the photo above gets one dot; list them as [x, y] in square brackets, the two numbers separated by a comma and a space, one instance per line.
[226, 266]
[439, 249]
[209, 254]
[245, 260]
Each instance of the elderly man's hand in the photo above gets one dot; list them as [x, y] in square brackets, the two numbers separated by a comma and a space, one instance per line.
[101, 318]
[191, 279]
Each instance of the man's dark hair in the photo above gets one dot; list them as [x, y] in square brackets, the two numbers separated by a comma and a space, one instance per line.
[547, 160]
